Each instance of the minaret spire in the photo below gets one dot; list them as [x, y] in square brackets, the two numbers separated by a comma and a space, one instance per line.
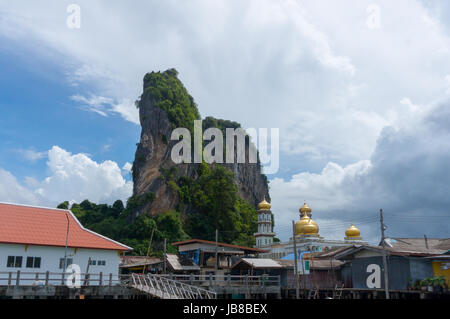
[265, 234]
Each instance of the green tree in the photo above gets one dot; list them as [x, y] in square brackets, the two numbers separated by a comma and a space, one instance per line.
[63, 205]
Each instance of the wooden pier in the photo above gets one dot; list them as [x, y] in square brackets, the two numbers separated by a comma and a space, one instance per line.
[54, 285]
[24, 285]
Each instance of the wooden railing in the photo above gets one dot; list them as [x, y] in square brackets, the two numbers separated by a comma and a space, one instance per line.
[100, 279]
[60, 279]
[226, 280]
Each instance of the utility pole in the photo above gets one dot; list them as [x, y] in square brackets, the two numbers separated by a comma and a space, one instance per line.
[297, 288]
[65, 248]
[383, 244]
[148, 251]
[217, 240]
[165, 256]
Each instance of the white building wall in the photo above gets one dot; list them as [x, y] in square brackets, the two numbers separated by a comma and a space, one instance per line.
[50, 258]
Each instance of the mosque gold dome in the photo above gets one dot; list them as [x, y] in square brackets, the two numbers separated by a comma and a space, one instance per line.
[306, 226]
[305, 209]
[352, 232]
[264, 205]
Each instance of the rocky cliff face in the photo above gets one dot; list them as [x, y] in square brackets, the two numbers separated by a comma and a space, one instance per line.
[153, 159]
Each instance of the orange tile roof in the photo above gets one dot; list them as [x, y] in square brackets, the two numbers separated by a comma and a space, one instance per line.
[31, 225]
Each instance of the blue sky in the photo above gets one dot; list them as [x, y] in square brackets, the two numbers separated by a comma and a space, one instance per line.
[359, 90]
[39, 113]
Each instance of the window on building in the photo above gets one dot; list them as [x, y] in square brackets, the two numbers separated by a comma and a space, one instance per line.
[33, 262]
[14, 262]
[18, 262]
[61, 262]
[10, 262]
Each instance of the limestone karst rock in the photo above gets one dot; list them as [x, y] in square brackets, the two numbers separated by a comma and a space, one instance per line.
[164, 105]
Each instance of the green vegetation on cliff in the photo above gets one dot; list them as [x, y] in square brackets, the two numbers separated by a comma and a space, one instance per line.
[212, 202]
[167, 92]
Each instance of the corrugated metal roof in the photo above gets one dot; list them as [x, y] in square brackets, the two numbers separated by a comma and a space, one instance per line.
[285, 263]
[263, 263]
[314, 263]
[396, 251]
[333, 251]
[174, 262]
[136, 261]
[418, 244]
[325, 263]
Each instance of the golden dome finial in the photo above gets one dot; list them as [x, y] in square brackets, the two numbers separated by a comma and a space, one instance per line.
[352, 233]
[305, 209]
[306, 226]
[264, 205]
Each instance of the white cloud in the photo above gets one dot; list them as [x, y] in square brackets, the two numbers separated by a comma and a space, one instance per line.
[407, 176]
[105, 106]
[12, 191]
[447, 83]
[330, 190]
[254, 61]
[73, 177]
[127, 167]
[77, 177]
[31, 155]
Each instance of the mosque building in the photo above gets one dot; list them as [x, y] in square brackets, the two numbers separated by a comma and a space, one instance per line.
[307, 238]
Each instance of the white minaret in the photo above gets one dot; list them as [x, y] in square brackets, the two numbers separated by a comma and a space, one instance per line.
[265, 234]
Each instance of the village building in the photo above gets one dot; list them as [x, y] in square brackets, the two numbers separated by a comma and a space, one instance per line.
[36, 240]
[406, 265]
[203, 252]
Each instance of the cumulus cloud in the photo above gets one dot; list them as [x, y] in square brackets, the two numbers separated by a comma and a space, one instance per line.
[407, 176]
[127, 167]
[105, 106]
[254, 61]
[73, 177]
[12, 191]
[31, 155]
